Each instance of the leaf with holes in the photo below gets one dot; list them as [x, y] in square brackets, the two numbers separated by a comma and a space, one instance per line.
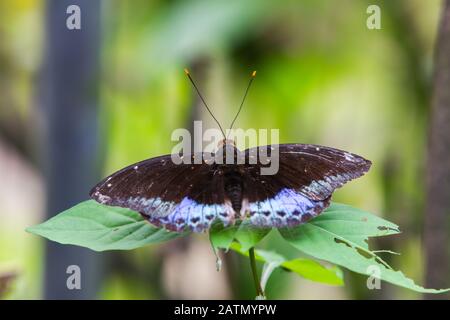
[340, 236]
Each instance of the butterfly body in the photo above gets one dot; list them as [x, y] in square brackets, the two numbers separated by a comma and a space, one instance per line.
[229, 185]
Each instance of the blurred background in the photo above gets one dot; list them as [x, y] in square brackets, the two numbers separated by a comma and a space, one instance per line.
[77, 105]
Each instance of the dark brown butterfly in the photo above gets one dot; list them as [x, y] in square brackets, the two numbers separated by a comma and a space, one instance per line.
[189, 195]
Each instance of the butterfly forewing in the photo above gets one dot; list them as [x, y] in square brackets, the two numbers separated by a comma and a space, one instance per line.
[313, 170]
[167, 194]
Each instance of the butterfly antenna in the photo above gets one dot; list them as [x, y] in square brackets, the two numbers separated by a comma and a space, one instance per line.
[243, 100]
[203, 100]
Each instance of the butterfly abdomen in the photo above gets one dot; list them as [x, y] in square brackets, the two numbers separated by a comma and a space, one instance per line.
[233, 189]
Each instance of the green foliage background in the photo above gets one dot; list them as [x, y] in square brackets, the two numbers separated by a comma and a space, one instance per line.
[323, 78]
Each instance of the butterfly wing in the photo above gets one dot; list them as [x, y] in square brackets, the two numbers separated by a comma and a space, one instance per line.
[302, 186]
[177, 196]
[167, 194]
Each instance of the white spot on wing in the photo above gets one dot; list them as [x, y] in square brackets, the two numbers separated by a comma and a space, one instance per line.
[101, 198]
[349, 157]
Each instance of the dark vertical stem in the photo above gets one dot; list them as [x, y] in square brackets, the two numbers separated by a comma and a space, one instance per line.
[70, 141]
[438, 167]
[259, 290]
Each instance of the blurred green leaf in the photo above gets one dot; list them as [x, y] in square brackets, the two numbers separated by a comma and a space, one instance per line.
[340, 236]
[187, 30]
[306, 268]
[99, 227]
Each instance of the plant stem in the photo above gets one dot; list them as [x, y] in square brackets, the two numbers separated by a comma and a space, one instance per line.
[259, 291]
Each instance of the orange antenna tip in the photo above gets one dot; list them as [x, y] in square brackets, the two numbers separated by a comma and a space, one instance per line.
[186, 71]
[254, 74]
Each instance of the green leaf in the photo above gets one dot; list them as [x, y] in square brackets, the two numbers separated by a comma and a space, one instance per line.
[306, 268]
[243, 232]
[340, 235]
[314, 271]
[221, 237]
[99, 227]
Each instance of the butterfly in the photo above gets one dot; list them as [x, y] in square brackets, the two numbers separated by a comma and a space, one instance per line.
[194, 194]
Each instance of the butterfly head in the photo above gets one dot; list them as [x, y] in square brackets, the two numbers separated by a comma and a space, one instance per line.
[227, 151]
[226, 142]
